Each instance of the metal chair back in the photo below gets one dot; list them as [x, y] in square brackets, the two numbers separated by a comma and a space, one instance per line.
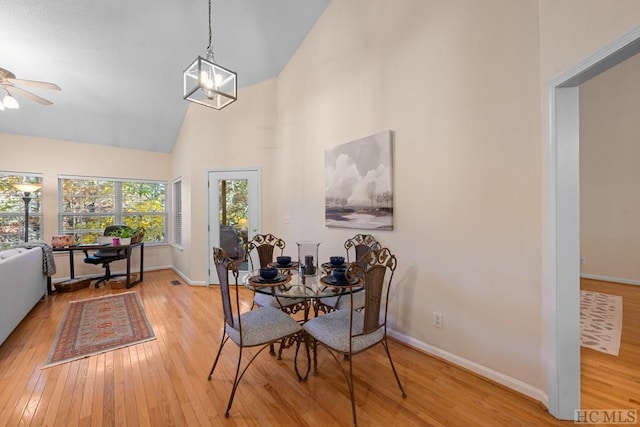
[265, 246]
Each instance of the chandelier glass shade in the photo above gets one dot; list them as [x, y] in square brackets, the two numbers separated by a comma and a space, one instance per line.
[207, 83]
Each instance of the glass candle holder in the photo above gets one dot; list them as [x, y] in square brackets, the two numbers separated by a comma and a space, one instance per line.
[308, 258]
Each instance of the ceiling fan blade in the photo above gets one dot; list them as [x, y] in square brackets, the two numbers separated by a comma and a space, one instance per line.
[35, 83]
[17, 91]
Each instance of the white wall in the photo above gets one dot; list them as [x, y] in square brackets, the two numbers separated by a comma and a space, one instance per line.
[457, 83]
[609, 173]
[51, 157]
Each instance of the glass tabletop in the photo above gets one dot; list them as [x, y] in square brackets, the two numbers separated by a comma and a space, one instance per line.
[295, 286]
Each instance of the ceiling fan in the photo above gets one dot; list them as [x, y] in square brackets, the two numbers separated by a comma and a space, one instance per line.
[8, 82]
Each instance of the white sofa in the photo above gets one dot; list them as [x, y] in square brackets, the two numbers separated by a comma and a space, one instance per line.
[22, 285]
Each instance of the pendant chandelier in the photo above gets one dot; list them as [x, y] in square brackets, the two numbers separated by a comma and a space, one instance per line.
[207, 83]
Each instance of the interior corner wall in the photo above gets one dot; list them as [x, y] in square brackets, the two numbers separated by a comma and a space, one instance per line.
[52, 157]
[609, 174]
[242, 135]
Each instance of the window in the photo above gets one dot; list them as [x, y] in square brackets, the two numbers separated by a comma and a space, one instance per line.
[86, 206]
[12, 209]
[177, 203]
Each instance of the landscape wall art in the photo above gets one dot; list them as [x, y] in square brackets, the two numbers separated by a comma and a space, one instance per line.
[358, 190]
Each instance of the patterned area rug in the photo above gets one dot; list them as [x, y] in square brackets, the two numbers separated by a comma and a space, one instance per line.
[600, 321]
[98, 325]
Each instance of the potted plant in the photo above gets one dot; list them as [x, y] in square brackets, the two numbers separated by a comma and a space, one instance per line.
[124, 234]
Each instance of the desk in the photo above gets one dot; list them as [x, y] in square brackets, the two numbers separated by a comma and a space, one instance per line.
[312, 289]
[127, 251]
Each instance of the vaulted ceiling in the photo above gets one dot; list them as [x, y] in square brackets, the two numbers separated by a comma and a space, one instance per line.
[120, 62]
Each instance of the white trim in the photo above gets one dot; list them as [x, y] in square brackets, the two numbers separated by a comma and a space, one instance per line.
[498, 377]
[110, 178]
[115, 273]
[177, 212]
[23, 174]
[187, 280]
[562, 305]
[611, 279]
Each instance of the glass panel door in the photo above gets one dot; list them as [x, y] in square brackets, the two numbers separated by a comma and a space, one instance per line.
[233, 215]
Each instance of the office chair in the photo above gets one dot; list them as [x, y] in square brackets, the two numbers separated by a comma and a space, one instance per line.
[105, 256]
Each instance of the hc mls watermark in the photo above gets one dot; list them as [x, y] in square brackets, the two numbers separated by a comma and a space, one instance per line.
[606, 416]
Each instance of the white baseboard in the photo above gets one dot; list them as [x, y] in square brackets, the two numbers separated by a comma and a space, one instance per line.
[611, 279]
[187, 280]
[498, 377]
[156, 268]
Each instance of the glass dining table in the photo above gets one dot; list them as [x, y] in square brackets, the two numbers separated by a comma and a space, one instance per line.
[312, 289]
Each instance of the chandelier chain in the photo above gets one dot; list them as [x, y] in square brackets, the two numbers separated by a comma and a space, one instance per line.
[210, 30]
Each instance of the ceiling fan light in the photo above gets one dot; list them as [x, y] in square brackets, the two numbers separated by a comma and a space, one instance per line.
[10, 102]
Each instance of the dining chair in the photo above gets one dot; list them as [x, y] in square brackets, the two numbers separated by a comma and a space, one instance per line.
[359, 245]
[355, 247]
[349, 332]
[263, 326]
[266, 247]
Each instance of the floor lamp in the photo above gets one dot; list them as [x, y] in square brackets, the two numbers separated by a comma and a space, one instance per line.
[27, 189]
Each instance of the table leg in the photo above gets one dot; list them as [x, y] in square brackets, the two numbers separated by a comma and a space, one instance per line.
[72, 273]
[302, 338]
[50, 290]
[141, 261]
[130, 284]
[128, 255]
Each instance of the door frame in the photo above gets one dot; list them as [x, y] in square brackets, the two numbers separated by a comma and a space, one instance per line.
[252, 228]
[562, 269]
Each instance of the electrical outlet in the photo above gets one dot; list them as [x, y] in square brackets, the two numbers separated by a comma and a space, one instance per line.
[437, 319]
[583, 260]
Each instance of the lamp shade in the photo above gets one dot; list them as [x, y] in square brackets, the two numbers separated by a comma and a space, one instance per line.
[27, 188]
[207, 83]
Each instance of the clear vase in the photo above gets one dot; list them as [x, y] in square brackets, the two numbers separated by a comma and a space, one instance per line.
[308, 258]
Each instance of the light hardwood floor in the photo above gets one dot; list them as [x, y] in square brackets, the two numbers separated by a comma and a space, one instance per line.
[164, 382]
[614, 381]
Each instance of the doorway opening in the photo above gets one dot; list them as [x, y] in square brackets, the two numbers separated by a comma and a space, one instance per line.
[562, 291]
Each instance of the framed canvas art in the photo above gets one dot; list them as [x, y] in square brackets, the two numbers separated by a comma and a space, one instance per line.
[358, 190]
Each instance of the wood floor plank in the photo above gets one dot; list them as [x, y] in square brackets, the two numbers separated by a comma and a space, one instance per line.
[164, 381]
[57, 394]
[107, 394]
[93, 404]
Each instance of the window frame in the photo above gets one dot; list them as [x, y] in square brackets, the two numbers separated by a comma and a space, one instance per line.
[119, 212]
[35, 196]
[177, 212]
